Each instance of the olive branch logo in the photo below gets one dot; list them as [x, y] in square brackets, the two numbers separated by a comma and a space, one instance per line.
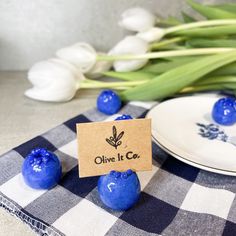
[115, 139]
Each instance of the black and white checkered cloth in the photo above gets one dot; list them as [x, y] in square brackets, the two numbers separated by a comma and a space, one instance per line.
[176, 199]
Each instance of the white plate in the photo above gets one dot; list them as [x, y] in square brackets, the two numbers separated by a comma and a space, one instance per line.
[174, 127]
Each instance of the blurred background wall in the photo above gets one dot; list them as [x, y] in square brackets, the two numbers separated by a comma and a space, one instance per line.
[32, 30]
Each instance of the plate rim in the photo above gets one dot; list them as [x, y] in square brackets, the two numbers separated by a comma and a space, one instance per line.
[200, 166]
[181, 157]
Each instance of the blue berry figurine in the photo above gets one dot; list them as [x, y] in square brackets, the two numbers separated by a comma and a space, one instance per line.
[41, 169]
[124, 117]
[224, 111]
[119, 190]
[108, 102]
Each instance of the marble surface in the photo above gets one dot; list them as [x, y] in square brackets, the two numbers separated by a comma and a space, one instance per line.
[22, 119]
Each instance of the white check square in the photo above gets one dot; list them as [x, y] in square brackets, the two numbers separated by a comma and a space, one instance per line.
[18, 191]
[70, 149]
[146, 105]
[85, 219]
[208, 200]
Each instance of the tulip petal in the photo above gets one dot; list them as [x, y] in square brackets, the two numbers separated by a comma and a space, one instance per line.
[81, 55]
[129, 45]
[47, 95]
[151, 35]
[52, 81]
[126, 66]
[137, 19]
[99, 68]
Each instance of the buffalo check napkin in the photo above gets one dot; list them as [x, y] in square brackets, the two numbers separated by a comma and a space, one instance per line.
[176, 199]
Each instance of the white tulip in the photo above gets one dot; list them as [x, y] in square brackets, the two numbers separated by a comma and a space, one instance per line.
[137, 19]
[54, 81]
[77, 73]
[99, 67]
[81, 55]
[129, 45]
[152, 34]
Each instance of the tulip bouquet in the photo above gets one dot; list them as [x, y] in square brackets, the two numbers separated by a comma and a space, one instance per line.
[161, 58]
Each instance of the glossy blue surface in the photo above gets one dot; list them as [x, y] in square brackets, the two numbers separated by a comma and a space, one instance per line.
[108, 102]
[41, 169]
[224, 111]
[124, 117]
[119, 190]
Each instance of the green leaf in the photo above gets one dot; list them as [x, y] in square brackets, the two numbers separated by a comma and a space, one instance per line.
[211, 12]
[163, 43]
[170, 21]
[135, 75]
[187, 18]
[217, 80]
[231, 7]
[229, 85]
[207, 32]
[162, 67]
[229, 69]
[208, 87]
[176, 79]
[184, 58]
[207, 43]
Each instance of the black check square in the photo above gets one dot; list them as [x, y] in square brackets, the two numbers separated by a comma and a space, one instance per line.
[150, 214]
[37, 142]
[71, 124]
[79, 186]
[181, 169]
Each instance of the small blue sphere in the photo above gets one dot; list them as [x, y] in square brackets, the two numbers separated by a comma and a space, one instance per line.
[224, 111]
[119, 190]
[41, 169]
[108, 102]
[124, 117]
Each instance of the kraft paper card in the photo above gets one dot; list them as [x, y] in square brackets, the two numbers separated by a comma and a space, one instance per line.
[114, 145]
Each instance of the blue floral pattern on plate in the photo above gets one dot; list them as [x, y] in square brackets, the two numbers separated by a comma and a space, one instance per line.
[212, 131]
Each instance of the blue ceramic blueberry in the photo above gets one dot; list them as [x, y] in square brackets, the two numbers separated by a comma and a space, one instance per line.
[41, 169]
[224, 111]
[119, 190]
[108, 102]
[124, 117]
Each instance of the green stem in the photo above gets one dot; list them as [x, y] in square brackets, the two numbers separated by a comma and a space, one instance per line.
[217, 80]
[201, 88]
[95, 84]
[199, 24]
[170, 21]
[91, 81]
[174, 53]
[163, 43]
